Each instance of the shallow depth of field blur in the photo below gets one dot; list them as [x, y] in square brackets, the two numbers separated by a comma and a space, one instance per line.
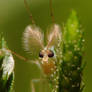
[14, 18]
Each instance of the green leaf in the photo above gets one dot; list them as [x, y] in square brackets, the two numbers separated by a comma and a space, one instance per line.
[6, 68]
[73, 43]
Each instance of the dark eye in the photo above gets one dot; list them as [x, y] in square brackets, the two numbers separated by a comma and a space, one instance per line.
[41, 54]
[50, 54]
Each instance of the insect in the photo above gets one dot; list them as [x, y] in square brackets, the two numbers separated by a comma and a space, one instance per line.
[33, 40]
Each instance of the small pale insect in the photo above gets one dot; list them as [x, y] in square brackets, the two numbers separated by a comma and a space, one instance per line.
[34, 43]
[42, 47]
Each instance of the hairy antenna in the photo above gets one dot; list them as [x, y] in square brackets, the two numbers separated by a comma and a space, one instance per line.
[51, 11]
[28, 10]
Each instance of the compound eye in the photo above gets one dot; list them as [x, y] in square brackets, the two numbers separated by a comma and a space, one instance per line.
[50, 54]
[41, 54]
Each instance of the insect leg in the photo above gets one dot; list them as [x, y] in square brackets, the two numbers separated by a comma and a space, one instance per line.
[51, 11]
[28, 10]
[41, 82]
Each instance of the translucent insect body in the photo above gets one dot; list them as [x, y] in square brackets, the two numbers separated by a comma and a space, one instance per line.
[34, 43]
[46, 55]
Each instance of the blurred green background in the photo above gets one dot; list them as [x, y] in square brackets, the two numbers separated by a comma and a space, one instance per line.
[14, 18]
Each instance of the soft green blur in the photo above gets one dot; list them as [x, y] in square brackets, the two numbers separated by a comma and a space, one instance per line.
[14, 18]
